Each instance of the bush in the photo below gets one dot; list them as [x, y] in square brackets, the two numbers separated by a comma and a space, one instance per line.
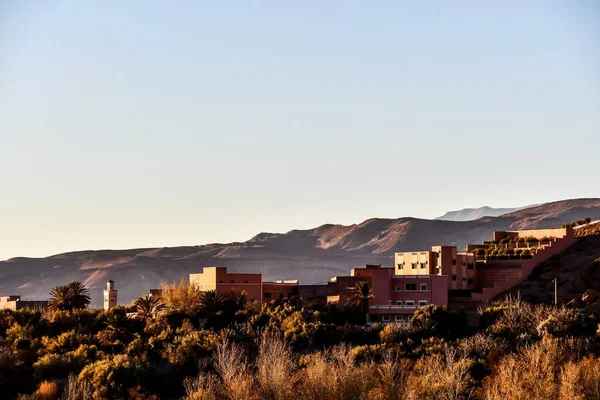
[434, 320]
[113, 377]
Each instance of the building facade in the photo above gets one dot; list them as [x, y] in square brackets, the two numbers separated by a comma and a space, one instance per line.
[459, 267]
[397, 297]
[222, 281]
[14, 303]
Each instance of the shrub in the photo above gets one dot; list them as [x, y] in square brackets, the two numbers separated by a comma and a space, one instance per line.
[437, 320]
[113, 377]
[563, 322]
[442, 376]
[394, 333]
[275, 370]
[48, 390]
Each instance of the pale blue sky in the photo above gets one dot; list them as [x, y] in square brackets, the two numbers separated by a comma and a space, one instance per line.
[134, 124]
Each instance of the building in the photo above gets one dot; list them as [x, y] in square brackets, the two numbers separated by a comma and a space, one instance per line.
[222, 281]
[14, 302]
[279, 290]
[110, 295]
[440, 260]
[511, 256]
[339, 288]
[397, 297]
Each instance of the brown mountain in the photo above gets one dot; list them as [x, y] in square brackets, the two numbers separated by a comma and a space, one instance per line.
[312, 255]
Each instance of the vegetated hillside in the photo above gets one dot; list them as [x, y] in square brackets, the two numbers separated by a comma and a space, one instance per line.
[470, 214]
[577, 270]
[311, 255]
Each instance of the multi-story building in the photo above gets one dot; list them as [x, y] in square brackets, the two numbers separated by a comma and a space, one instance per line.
[440, 260]
[397, 297]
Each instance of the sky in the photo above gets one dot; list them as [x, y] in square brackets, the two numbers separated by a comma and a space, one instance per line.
[143, 124]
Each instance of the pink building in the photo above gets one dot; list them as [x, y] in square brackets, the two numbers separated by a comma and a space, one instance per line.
[397, 297]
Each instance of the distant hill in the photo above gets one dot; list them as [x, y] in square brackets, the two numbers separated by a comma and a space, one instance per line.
[470, 214]
[311, 255]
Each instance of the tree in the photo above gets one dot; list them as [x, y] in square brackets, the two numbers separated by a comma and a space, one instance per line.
[211, 302]
[148, 307]
[361, 297]
[80, 295]
[60, 298]
[69, 297]
[114, 329]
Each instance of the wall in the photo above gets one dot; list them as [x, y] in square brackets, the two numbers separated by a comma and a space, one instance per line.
[273, 291]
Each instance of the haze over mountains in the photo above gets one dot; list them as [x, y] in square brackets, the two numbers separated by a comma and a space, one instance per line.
[470, 214]
[312, 255]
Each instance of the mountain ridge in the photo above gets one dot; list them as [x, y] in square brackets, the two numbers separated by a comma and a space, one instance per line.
[311, 255]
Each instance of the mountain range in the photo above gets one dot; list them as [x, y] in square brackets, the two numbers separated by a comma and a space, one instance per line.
[311, 255]
[470, 214]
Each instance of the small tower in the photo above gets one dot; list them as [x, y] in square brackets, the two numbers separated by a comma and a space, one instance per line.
[110, 295]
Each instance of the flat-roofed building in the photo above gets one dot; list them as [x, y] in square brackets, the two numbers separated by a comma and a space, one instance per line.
[14, 302]
[222, 281]
[440, 260]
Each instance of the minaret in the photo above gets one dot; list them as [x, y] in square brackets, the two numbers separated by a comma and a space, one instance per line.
[110, 295]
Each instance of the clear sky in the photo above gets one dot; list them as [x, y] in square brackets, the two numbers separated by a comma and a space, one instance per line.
[140, 123]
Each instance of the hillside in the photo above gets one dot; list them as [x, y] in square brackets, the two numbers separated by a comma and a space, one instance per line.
[577, 270]
[312, 255]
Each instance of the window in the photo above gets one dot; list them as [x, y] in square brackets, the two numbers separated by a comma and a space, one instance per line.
[231, 281]
[437, 270]
[220, 281]
[470, 266]
[413, 265]
[385, 318]
[464, 263]
[423, 287]
[454, 261]
[469, 281]
[401, 266]
[422, 302]
[245, 281]
[398, 288]
[409, 302]
[398, 302]
[464, 279]
[410, 286]
[423, 265]
[398, 317]
[267, 295]
[453, 277]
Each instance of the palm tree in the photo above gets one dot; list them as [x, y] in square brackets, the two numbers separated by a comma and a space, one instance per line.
[361, 297]
[114, 329]
[211, 302]
[148, 306]
[60, 298]
[68, 297]
[80, 295]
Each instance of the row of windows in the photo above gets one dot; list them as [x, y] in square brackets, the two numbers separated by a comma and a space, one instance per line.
[413, 265]
[412, 287]
[232, 281]
[411, 302]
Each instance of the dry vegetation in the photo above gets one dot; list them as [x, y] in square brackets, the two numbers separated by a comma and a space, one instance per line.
[203, 346]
